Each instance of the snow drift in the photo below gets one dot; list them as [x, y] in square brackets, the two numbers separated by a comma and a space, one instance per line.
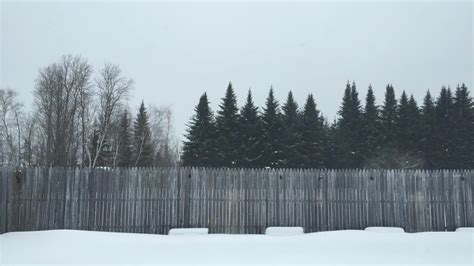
[188, 231]
[337, 247]
[284, 231]
[385, 229]
[465, 229]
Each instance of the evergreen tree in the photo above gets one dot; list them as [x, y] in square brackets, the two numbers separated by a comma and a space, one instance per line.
[401, 121]
[104, 155]
[332, 157]
[445, 124]
[142, 146]
[349, 133]
[371, 129]
[272, 148]
[408, 130]
[227, 122]
[463, 131]
[292, 143]
[388, 118]
[414, 127]
[313, 136]
[199, 149]
[125, 152]
[250, 132]
[164, 156]
[428, 132]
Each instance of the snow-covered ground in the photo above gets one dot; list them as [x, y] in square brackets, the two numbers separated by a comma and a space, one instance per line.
[325, 248]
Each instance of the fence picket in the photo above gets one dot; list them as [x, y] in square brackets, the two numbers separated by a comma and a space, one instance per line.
[153, 200]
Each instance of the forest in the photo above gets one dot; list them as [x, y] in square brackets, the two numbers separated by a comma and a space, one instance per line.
[399, 134]
[82, 118]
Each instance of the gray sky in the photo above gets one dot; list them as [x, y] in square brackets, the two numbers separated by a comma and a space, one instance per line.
[177, 51]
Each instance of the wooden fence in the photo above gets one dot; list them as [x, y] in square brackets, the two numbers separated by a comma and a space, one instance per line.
[153, 200]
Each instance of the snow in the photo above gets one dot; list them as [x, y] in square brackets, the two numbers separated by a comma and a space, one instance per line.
[188, 231]
[385, 229]
[62, 247]
[284, 231]
[465, 229]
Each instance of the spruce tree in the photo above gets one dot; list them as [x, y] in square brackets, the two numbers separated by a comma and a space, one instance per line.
[401, 121]
[142, 146]
[227, 122]
[463, 131]
[357, 134]
[313, 136]
[332, 158]
[272, 147]
[104, 155]
[371, 129]
[445, 124]
[407, 133]
[125, 152]
[199, 149]
[164, 156]
[291, 134]
[414, 127]
[388, 118]
[250, 133]
[349, 133]
[428, 132]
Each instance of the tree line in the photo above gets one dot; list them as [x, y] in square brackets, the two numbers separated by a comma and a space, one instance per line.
[397, 134]
[82, 118]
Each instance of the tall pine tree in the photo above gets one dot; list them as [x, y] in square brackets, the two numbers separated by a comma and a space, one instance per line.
[349, 130]
[388, 118]
[313, 137]
[428, 132]
[291, 133]
[227, 122]
[463, 131]
[401, 121]
[414, 127]
[445, 124]
[407, 153]
[250, 133]
[125, 152]
[199, 149]
[272, 148]
[142, 146]
[371, 120]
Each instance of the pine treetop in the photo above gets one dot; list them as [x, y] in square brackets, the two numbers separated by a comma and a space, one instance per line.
[271, 109]
[249, 110]
[290, 109]
[228, 107]
[370, 109]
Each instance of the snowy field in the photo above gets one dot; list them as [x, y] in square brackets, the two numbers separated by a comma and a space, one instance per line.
[374, 247]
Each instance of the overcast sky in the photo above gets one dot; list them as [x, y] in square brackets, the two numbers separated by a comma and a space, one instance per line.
[175, 52]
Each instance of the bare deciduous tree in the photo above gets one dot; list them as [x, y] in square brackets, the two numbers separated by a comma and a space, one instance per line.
[161, 124]
[58, 93]
[10, 130]
[112, 90]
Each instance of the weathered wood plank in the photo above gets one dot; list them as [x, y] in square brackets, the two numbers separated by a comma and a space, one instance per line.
[153, 200]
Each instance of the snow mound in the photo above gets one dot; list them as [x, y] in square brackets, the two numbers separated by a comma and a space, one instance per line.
[465, 229]
[284, 231]
[385, 229]
[188, 231]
